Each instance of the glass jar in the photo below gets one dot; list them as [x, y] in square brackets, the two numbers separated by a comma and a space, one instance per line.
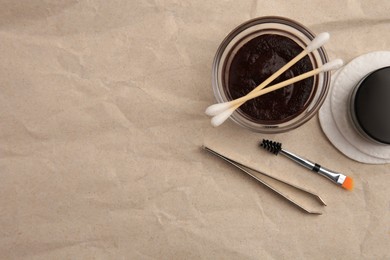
[244, 33]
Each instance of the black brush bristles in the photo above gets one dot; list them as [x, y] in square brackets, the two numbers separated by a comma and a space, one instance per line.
[273, 147]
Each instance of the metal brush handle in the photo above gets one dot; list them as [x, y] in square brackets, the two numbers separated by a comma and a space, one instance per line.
[333, 176]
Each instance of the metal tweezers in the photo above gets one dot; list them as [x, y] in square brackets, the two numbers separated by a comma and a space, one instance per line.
[246, 170]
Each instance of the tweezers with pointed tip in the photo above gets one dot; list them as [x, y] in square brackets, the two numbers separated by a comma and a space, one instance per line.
[246, 169]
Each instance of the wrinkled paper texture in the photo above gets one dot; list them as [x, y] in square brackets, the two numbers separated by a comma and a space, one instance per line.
[101, 123]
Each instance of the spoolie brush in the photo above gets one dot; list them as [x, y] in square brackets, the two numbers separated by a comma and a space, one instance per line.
[338, 178]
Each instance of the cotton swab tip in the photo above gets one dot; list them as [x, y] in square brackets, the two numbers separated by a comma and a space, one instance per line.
[220, 118]
[318, 41]
[348, 183]
[215, 109]
[332, 65]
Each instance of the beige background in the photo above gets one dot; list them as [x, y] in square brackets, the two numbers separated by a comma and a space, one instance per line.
[101, 123]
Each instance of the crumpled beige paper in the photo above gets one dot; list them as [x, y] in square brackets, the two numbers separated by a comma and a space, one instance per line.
[101, 124]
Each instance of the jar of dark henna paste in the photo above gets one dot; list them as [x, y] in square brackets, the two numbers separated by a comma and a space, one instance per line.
[254, 51]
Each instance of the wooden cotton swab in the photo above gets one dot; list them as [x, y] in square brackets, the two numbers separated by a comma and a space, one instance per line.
[317, 42]
[221, 117]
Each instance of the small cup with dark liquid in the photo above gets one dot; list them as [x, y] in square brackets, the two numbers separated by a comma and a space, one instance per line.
[370, 106]
[253, 52]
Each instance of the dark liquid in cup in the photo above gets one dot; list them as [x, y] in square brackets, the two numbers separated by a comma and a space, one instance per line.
[257, 60]
[371, 105]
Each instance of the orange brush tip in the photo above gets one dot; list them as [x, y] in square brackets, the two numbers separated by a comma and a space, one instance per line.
[348, 183]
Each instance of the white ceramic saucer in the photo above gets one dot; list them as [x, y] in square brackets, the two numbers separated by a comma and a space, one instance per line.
[334, 113]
